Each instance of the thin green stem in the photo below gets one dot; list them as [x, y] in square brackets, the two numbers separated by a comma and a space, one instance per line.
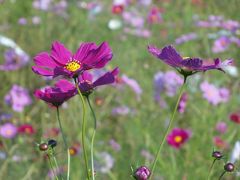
[167, 130]
[210, 170]
[93, 136]
[61, 129]
[65, 142]
[83, 129]
[69, 161]
[220, 177]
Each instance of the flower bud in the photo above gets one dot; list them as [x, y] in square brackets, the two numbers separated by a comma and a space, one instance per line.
[217, 155]
[52, 143]
[229, 167]
[142, 173]
[43, 147]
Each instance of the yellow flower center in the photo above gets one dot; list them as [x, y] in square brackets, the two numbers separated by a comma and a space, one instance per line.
[9, 132]
[184, 58]
[73, 66]
[178, 139]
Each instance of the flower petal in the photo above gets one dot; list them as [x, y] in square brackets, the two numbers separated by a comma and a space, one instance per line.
[41, 71]
[43, 59]
[83, 50]
[107, 78]
[60, 54]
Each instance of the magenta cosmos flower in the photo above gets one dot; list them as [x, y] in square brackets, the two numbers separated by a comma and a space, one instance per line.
[62, 62]
[178, 137]
[185, 65]
[57, 95]
[87, 85]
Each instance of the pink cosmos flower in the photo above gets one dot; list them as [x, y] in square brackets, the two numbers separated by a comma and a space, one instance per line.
[18, 97]
[57, 95]
[221, 127]
[213, 94]
[154, 16]
[62, 62]
[178, 137]
[235, 117]
[8, 130]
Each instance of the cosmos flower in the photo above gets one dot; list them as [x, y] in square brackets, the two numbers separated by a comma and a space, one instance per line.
[104, 162]
[8, 130]
[186, 37]
[22, 21]
[114, 145]
[221, 44]
[133, 84]
[74, 149]
[117, 8]
[14, 60]
[213, 94]
[18, 97]
[26, 129]
[87, 85]
[221, 127]
[235, 117]
[186, 66]
[57, 95]
[154, 16]
[178, 137]
[62, 62]
[167, 82]
[219, 142]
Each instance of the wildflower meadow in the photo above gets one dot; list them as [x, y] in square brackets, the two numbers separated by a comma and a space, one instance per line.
[119, 90]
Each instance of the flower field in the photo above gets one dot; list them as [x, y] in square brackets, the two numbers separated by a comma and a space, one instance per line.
[118, 90]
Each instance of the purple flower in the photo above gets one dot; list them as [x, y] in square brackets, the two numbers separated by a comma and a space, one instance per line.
[183, 102]
[133, 84]
[42, 4]
[57, 95]
[186, 37]
[18, 97]
[142, 173]
[62, 62]
[121, 110]
[22, 21]
[14, 60]
[8, 130]
[213, 94]
[36, 20]
[154, 16]
[221, 44]
[115, 146]
[186, 66]
[87, 85]
[221, 127]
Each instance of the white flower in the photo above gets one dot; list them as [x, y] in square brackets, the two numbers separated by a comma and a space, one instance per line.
[235, 156]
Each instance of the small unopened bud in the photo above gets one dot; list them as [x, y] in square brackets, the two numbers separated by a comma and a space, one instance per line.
[43, 147]
[142, 173]
[52, 143]
[217, 155]
[229, 167]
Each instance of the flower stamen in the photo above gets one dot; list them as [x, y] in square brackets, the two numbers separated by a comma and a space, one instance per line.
[73, 66]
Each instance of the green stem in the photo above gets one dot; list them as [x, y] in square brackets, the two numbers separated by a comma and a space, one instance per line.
[83, 128]
[93, 136]
[65, 142]
[220, 177]
[51, 166]
[210, 170]
[168, 129]
[61, 129]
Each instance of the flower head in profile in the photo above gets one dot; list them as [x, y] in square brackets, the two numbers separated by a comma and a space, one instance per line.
[57, 95]
[185, 65]
[87, 85]
[178, 137]
[8, 130]
[61, 61]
